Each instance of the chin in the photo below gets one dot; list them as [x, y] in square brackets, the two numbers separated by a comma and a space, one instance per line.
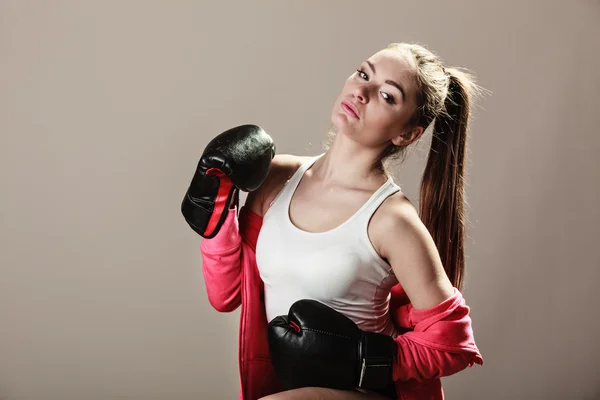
[340, 121]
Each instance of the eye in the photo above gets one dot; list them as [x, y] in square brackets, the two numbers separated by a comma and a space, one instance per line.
[362, 74]
[388, 97]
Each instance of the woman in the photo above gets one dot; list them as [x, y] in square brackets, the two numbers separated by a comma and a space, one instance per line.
[338, 229]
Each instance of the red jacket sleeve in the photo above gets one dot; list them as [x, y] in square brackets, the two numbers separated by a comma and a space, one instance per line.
[221, 265]
[440, 342]
[222, 258]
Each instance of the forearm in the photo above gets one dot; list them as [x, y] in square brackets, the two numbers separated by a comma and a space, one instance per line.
[441, 342]
[222, 266]
[419, 362]
[237, 159]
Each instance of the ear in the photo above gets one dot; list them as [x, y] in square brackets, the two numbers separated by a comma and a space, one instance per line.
[408, 137]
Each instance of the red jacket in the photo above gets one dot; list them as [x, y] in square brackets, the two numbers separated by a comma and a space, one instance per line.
[437, 342]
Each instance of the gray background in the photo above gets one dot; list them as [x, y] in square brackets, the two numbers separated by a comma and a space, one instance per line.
[106, 106]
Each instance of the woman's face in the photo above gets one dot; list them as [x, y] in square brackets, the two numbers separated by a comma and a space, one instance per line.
[377, 100]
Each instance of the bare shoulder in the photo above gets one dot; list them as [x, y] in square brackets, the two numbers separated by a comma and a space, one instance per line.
[400, 236]
[285, 163]
[281, 169]
[396, 218]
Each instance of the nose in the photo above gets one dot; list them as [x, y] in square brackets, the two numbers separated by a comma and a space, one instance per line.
[361, 93]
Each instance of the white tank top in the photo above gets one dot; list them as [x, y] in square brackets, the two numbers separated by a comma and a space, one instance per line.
[339, 267]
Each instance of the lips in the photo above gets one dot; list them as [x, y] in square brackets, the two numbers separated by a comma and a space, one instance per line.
[350, 108]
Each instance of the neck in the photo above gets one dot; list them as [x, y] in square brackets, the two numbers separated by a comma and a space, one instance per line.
[347, 163]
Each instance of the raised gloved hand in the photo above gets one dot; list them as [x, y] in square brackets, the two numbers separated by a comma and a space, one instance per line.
[237, 159]
[315, 345]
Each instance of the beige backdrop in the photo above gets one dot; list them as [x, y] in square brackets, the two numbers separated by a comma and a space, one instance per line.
[105, 107]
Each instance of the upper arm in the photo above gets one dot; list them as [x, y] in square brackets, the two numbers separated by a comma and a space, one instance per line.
[281, 168]
[410, 250]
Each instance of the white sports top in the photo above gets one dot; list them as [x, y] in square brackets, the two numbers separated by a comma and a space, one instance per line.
[339, 267]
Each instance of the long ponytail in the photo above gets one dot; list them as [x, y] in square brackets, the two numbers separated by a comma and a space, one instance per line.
[442, 194]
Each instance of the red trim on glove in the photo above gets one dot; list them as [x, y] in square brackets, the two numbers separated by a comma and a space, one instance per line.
[225, 186]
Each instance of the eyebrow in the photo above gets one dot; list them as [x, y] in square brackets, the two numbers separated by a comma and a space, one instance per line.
[389, 82]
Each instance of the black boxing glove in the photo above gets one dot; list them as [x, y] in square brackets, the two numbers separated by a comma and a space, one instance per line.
[315, 345]
[237, 159]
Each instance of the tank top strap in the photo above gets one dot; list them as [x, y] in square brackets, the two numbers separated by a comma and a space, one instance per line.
[386, 190]
[287, 191]
[294, 181]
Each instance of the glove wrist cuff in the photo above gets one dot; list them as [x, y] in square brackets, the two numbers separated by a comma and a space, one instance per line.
[377, 361]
